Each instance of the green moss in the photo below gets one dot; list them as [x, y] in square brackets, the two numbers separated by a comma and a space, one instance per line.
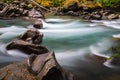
[30, 6]
[116, 55]
[109, 3]
[115, 50]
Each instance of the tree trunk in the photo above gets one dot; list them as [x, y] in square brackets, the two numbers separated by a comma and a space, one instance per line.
[36, 4]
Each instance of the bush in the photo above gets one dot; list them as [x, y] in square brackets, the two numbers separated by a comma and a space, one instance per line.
[109, 3]
[49, 3]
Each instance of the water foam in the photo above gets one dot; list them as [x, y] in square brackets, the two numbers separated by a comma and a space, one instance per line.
[101, 47]
[12, 29]
[16, 53]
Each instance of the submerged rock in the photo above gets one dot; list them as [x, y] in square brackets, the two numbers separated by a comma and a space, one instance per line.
[32, 35]
[115, 61]
[36, 67]
[38, 24]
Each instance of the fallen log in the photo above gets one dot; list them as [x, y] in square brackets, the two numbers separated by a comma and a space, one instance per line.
[36, 4]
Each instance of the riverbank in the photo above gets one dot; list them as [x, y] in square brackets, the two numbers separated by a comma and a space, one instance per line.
[19, 8]
[91, 14]
[31, 9]
[89, 11]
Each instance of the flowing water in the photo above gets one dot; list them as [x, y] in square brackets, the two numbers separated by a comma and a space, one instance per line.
[77, 44]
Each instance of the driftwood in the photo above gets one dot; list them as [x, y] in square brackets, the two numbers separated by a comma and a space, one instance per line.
[36, 67]
[36, 4]
[4, 9]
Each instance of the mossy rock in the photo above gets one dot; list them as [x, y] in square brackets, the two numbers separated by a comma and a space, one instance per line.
[71, 5]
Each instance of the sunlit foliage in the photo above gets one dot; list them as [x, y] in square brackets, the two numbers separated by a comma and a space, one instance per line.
[49, 3]
[109, 3]
[69, 2]
[101, 3]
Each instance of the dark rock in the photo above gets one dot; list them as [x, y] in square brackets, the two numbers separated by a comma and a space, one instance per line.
[115, 61]
[2, 5]
[23, 5]
[96, 59]
[38, 24]
[25, 12]
[40, 67]
[96, 17]
[27, 47]
[32, 36]
[71, 7]
[72, 13]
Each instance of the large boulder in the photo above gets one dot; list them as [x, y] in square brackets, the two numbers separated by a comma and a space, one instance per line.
[29, 43]
[36, 67]
[27, 47]
[71, 5]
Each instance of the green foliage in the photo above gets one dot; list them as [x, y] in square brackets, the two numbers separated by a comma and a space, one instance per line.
[101, 3]
[49, 3]
[29, 6]
[116, 55]
[115, 50]
[57, 2]
[109, 3]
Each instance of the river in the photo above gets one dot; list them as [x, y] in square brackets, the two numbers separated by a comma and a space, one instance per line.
[78, 44]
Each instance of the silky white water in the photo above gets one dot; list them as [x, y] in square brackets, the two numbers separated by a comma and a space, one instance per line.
[72, 40]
